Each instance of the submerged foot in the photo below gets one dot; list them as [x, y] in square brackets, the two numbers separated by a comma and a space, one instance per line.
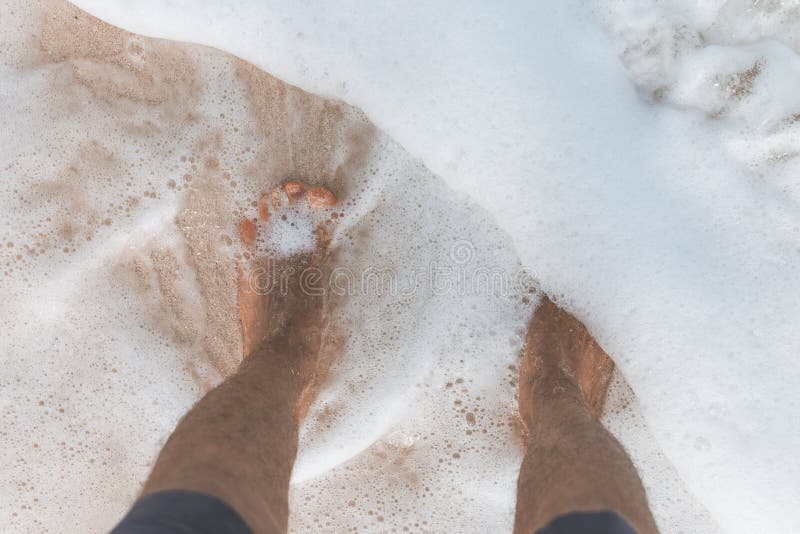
[561, 359]
[282, 276]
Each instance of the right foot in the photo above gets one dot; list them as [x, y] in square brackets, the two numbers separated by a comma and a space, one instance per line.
[561, 359]
[282, 278]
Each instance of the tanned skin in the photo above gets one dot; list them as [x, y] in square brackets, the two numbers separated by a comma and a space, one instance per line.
[572, 463]
[239, 442]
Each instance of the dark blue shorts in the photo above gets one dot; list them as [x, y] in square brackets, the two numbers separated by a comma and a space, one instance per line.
[188, 512]
[181, 512]
[588, 523]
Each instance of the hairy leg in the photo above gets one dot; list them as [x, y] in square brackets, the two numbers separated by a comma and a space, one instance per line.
[572, 464]
[239, 442]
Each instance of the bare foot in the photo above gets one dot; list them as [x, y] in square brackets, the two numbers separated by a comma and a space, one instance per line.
[282, 277]
[561, 359]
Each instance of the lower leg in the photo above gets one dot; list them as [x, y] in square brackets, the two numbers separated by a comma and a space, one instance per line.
[572, 463]
[238, 443]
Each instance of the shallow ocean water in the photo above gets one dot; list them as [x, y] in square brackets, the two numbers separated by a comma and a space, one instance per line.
[660, 211]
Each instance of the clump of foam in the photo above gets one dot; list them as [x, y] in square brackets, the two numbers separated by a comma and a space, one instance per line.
[737, 64]
[289, 234]
[289, 227]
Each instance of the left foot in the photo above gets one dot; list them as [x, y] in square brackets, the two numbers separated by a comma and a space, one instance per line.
[282, 278]
[561, 358]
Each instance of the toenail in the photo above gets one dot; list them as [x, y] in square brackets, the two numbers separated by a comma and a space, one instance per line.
[294, 190]
[319, 197]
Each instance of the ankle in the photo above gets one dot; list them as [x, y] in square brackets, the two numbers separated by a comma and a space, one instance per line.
[273, 365]
[552, 397]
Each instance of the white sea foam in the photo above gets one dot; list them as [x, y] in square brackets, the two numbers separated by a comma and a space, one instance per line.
[641, 159]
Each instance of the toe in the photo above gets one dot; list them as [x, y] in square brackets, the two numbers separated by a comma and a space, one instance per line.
[320, 197]
[294, 190]
[263, 208]
[248, 230]
[277, 197]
